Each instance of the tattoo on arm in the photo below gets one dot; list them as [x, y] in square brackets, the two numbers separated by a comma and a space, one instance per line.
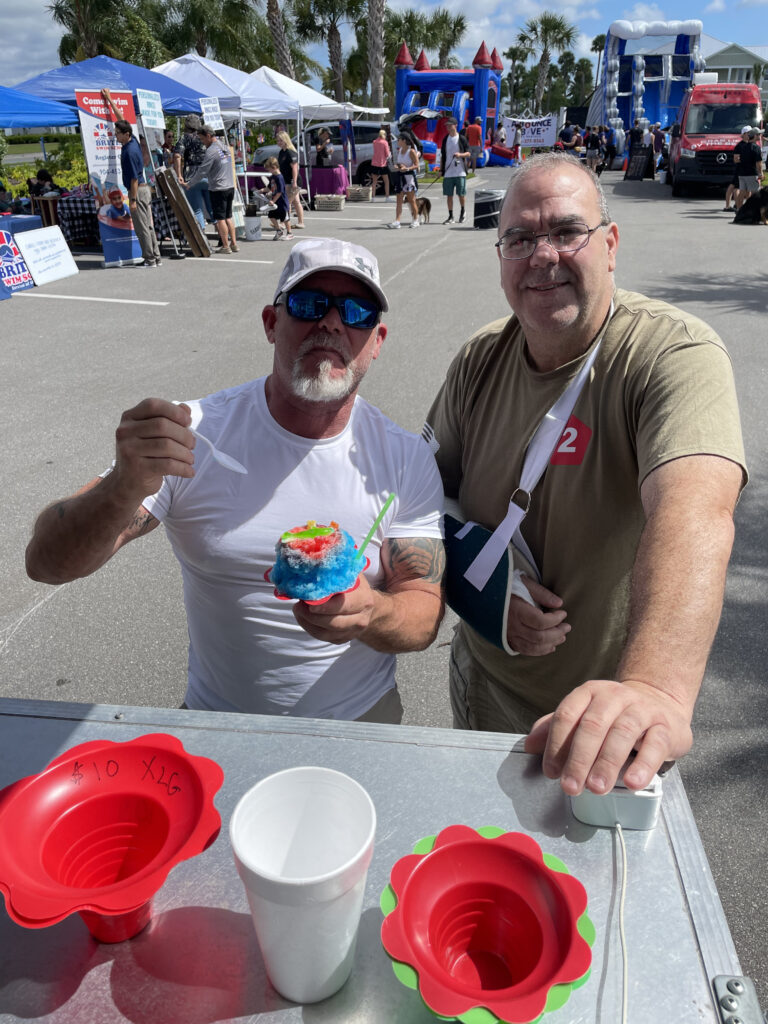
[415, 558]
[141, 523]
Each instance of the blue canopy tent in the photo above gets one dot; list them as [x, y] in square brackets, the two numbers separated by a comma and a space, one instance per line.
[22, 110]
[106, 72]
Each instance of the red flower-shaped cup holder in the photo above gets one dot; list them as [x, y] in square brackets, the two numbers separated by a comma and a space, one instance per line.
[320, 600]
[99, 829]
[486, 926]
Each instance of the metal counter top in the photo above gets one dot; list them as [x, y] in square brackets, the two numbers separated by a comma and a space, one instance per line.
[198, 962]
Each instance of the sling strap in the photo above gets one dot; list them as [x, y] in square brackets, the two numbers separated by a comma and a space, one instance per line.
[540, 449]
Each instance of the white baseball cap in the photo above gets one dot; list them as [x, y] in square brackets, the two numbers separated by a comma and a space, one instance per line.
[313, 255]
[746, 129]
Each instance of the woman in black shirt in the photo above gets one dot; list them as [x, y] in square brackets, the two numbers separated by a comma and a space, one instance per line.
[288, 159]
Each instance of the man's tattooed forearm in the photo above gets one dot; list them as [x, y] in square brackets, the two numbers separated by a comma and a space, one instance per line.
[415, 558]
[142, 522]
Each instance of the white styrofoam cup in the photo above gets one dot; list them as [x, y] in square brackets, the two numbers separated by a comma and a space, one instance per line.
[302, 841]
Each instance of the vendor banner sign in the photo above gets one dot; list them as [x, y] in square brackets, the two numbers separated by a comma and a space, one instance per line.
[102, 157]
[538, 132]
[14, 273]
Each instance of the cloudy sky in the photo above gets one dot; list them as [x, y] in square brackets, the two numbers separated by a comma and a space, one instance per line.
[30, 38]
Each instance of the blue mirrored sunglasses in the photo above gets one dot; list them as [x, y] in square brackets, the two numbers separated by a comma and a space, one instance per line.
[308, 304]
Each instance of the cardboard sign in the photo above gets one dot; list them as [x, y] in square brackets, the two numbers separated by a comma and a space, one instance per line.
[150, 108]
[211, 111]
[46, 254]
[14, 272]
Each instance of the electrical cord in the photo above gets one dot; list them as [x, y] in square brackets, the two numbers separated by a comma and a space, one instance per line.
[622, 934]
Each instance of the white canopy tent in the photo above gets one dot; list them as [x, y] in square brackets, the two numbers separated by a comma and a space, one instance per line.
[314, 105]
[240, 97]
[239, 94]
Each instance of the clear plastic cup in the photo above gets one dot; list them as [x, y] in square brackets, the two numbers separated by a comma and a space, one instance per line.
[302, 841]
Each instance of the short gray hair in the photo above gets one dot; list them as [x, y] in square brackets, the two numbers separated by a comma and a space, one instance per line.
[552, 161]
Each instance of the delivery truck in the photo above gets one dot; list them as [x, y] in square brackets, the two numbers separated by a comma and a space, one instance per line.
[708, 128]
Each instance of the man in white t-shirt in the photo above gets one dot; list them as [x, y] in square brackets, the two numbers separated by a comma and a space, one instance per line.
[454, 150]
[312, 449]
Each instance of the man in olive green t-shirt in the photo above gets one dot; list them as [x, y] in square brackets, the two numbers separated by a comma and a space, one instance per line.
[630, 526]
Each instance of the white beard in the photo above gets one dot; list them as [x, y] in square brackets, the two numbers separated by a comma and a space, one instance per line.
[323, 385]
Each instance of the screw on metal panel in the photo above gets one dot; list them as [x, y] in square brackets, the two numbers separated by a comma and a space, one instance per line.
[734, 1020]
[729, 1003]
[119, 716]
[735, 986]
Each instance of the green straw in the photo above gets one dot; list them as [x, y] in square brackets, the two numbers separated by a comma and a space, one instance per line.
[376, 522]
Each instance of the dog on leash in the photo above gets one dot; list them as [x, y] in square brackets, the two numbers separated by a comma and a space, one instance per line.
[754, 210]
[423, 208]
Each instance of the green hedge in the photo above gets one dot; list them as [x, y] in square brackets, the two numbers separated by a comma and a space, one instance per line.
[26, 140]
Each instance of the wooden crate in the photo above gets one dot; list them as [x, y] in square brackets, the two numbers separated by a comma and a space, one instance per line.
[329, 202]
[359, 193]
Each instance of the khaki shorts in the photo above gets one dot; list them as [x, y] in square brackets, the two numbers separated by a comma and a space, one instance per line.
[479, 703]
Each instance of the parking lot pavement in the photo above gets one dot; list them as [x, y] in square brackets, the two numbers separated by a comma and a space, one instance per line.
[76, 353]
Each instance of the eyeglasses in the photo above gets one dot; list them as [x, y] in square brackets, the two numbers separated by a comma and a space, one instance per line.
[520, 245]
[307, 304]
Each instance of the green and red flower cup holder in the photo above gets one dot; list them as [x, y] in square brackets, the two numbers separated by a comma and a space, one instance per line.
[486, 926]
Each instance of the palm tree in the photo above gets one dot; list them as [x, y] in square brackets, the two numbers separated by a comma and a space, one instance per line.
[582, 81]
[445, 30]
[517, 56]
[408, 26]
[86, 24]
[280, 39]
[222, 29]
[549, 33]
[375, 41]
[598, 47]
[319, 20]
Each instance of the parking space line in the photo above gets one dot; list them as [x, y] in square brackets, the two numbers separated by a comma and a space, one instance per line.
[89, 298]
[418, 259]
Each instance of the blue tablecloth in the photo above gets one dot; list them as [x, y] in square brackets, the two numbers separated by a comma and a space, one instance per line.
[20, 222]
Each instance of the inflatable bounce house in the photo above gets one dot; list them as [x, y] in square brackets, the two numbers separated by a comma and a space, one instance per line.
[425, 96]
[647, 68]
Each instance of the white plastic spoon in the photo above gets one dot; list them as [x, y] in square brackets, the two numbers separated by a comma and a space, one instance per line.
[221, 457]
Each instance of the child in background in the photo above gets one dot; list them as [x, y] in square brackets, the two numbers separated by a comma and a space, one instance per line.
[279, 196]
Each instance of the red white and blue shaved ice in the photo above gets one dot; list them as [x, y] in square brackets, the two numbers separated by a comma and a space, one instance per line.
[314, 562]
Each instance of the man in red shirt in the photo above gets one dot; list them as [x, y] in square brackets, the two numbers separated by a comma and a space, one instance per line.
[474, 134]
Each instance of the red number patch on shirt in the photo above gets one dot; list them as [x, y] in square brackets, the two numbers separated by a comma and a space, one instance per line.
[572, 446]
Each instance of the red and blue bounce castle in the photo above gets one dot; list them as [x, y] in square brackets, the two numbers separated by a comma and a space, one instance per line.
[463, 94]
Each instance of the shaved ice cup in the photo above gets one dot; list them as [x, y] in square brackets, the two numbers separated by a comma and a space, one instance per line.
[98, 831]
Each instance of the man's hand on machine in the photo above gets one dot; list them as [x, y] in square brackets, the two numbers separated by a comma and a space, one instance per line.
[588, 739]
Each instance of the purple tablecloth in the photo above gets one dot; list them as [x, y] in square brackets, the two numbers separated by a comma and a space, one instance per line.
[329, 181]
